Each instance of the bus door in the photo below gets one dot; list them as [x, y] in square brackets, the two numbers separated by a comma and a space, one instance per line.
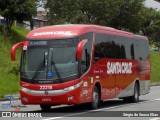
[108, 81]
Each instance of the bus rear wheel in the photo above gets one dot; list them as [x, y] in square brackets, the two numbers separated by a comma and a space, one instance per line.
[45, 107]
[135, 97]
[96, 99]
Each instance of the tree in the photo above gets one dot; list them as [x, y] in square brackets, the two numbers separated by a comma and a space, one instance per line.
[17, 10]
[121, 14]
[61, 11]
[129, 16]
[151, 25]
[79, 11]
[155, 33]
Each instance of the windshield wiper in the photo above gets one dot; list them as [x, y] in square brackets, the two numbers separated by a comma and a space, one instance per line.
[39, 68]
[55, 68]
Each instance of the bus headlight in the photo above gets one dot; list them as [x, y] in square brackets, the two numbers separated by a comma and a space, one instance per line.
[25, 89]
[73, 87]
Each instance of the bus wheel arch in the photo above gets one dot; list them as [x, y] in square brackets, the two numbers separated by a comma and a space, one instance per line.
[136, 93]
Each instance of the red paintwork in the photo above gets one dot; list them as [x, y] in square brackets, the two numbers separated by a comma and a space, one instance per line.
[25, 43]
[74, 30]
[111, 85]
[55, 86]
[56, 99]
[13, 50]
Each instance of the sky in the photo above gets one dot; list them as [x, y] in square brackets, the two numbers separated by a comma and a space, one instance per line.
[148, 3]
[153, 4]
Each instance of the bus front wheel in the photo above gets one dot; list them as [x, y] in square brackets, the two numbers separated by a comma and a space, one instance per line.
[96, 98]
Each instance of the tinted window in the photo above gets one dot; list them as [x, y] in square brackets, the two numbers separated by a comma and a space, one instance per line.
[48, 60]
[141, 49]
[107, 46]
[132, 51]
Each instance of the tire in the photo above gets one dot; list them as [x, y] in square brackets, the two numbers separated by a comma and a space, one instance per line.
[96, 99]
[135, 97]
[45, 107]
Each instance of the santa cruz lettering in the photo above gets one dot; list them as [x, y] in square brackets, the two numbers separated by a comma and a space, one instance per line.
[119, 67]
[54, 33]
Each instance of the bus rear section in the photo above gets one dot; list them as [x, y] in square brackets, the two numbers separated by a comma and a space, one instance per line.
[74, 64]
[122, 64]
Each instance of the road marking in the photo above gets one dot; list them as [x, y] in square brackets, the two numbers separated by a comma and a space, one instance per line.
[5, 102]
[8, 101]
[102, 109]
[157, 99]
[53, 118]
[155, 119]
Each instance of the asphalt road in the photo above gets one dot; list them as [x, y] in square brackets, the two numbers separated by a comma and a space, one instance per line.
[113, 109]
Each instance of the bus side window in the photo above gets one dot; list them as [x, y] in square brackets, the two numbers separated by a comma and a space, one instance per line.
[141, 49]
[118, 50]
[102, 47]
[107, 46]
[100, 51]
[86, 55]
[85, 61]
[132, 51]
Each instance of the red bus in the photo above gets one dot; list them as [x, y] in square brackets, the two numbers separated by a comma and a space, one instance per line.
[74, 64]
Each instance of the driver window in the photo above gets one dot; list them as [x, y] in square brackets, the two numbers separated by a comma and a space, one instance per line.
[85, 60]
[86, 55]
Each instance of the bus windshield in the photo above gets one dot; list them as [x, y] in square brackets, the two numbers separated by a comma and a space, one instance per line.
[53, 60]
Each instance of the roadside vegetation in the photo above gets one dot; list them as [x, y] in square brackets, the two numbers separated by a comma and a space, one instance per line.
[155, 66]
[9, 71]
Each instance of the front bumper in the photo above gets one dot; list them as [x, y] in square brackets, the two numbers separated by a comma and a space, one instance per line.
[48, 97]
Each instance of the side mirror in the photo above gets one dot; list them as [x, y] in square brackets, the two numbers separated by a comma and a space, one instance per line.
[79, 50]
[13, 50]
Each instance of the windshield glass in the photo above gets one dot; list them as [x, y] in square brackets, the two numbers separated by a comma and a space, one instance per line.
[53, 60]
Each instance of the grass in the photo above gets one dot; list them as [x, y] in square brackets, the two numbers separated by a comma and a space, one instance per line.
[9, 79]
[155, 66]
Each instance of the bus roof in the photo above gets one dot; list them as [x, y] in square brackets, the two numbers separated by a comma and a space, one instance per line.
[72, 30]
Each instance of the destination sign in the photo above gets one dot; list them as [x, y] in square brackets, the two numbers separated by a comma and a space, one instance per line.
[37, 43]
